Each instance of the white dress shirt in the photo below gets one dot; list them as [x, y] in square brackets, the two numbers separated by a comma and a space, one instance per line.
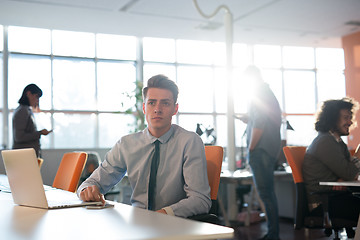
[182, 186]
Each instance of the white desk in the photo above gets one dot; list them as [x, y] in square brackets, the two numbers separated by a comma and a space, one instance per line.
[344, 183]
[121, 222]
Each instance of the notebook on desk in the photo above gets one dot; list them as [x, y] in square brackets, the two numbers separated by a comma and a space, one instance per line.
[26, 183]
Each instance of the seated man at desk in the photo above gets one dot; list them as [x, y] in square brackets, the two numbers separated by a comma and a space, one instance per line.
[164, 152]
[327, 159]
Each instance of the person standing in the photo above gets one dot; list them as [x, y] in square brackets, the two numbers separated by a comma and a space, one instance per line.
[25, 133]
[264, 142]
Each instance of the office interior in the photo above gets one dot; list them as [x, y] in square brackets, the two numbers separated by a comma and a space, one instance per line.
[90, 57]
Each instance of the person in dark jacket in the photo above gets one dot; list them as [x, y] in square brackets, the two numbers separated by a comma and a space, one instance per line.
[25, 133]
[327, 159]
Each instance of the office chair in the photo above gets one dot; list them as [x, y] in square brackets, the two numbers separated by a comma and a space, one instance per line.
[68, 174]
[352, 152]
[93, 161]
[214, 157]
[303, 218]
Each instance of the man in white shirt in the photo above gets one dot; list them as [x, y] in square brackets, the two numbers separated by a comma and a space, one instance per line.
[182, 187]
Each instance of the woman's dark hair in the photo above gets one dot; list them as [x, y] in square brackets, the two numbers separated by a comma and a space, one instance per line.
[328, 115]
[34, 89]
[161, 81]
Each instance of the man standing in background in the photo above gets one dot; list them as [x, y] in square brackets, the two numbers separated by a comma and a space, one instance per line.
[264, 142]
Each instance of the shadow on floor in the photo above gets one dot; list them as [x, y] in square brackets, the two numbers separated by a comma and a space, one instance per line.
[287, 232]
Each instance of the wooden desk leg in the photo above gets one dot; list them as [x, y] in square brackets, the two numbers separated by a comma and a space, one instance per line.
[253, 194]
[250, 205]
[231, 200]
[223, 211]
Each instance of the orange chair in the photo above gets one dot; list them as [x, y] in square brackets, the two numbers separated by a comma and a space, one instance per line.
[214, 158]
[295, 158]
[352, 152]
[69, 171]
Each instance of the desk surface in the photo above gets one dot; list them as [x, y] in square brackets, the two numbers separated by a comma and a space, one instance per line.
[244, 175]
[344, 183]
[121, 222]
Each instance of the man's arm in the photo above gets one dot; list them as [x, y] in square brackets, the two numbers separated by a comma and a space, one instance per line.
[255, 138]
[103, 178]
[196, 185]
[243, 117]
[330, 153]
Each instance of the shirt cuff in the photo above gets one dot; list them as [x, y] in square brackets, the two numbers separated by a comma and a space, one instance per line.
[169, 211]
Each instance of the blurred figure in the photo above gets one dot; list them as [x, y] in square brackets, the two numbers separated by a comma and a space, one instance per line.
[25, 133]
[263, 141]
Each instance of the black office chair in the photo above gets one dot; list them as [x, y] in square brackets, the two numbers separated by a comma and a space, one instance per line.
[303, 218]
[93, 161]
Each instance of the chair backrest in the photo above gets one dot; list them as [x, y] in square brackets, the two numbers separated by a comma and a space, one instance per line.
[295, 158]
[69, 171]
[214, 157]
[93, 161]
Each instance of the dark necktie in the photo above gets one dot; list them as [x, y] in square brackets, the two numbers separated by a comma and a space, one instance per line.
[153, 173]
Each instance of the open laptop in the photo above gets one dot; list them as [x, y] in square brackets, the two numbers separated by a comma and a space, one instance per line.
[26, 183]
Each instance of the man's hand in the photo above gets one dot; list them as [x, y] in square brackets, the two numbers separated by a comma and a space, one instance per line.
[243, 117]
[45, 132]
[161, 211]
[92, 194]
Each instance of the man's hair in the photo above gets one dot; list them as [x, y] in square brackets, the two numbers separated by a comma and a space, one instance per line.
[328, 115]
[161, 81]
[34, 89]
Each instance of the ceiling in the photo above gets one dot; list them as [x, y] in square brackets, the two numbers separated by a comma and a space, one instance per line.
[317, 23]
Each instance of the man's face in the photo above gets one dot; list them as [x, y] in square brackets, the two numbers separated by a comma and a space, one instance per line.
[159, 107]
[344, 122]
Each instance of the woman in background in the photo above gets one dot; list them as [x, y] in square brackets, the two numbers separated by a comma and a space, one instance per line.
[25, 133]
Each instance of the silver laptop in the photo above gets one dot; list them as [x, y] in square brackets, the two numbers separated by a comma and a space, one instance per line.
[26, 183]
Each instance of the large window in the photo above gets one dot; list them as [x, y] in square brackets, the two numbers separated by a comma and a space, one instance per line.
[89, 80]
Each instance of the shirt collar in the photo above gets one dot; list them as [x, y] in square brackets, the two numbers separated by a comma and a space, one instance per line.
[164, 138]
[338, 139]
